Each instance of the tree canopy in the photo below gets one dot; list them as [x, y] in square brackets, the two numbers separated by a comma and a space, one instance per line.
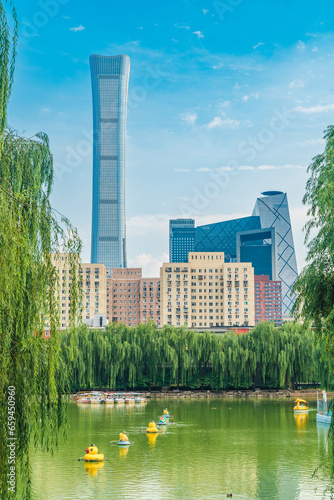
[315, 284]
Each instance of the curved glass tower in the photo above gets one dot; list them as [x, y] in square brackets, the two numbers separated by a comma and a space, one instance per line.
[110, 76]
[273, 210]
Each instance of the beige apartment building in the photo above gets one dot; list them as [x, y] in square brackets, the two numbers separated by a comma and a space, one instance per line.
[207, 292]
[132, 299]
[94, 289]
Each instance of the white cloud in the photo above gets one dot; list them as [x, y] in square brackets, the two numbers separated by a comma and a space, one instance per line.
[319, 108]
[140, 28]
[150, 265]
[245, 98]
[199, 34]
[301, 45]
[312, 142]
[224, 123]
[237, 86]
[246, 167]
[181, 169]
[204, 169]
[77, 28]
[190, 118]
[296, 84]
[225, 169]
[184, 27]
[258, 45]
[224, 104]
[267, 167]
[46, 110]
[315, 49]
[205, 11]
[218, 66]
[66, 17]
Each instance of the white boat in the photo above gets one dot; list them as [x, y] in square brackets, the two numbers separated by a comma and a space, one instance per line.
[119, 399]
[323, 406]
[109, 398]
[96, 398]
[130, 400]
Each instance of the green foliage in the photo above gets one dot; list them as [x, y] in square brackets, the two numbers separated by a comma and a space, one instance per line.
[29, 231]
[122, 357]
[315, 285]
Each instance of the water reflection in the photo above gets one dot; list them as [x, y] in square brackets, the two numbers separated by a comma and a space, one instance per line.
[123, 451]
[152, 437]
[93, 467]
[301, 421]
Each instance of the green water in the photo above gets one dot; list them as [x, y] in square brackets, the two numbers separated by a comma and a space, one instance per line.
[252, 449]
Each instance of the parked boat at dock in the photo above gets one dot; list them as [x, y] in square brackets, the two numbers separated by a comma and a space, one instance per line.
[324, 414]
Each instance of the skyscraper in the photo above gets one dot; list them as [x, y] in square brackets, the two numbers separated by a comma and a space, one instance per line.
[181, 239]
[273, 210]
[110, 76]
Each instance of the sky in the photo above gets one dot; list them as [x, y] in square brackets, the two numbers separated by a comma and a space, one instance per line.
[227, 99]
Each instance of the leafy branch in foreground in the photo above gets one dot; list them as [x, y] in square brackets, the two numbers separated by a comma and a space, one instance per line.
[29, 232]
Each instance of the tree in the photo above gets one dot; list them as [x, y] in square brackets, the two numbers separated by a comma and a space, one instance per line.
[32, 383]
[315, 284]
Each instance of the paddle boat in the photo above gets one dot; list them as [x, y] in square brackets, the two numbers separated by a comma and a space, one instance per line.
[152, 428]
[301, 406]
[92, 454]
[96, 398]
[119, 399]
[162, 421]
[323, 405]
[129, 400]
[123, 440]
[109, 398]
[83, 397]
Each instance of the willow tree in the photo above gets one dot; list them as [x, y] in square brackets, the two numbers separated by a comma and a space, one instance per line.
[315, 285]
[31, 381]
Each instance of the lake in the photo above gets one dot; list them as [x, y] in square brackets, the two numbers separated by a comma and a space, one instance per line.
[252, 448]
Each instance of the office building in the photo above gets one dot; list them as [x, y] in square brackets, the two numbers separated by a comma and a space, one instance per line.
[207, 292]
[110, 77]
[268, 300]
[260, 248]
[273, 210]
[181, 239]
[221, 236]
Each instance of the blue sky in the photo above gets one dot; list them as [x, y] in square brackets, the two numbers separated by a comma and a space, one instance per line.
[226, 99]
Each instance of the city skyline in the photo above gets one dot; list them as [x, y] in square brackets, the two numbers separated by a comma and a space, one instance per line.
[209, 111]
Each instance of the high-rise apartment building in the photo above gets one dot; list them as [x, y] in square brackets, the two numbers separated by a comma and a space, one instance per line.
[207, 292]
[273, 210]
[94, 284]
[132, 299]
[110, 76]
[181, 239]
[268, 300]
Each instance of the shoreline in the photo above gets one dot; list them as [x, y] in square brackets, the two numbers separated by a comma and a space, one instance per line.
[258, 393]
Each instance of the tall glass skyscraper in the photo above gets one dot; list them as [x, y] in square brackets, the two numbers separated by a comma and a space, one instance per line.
[273, 210]
[181, 239]
[110, 76]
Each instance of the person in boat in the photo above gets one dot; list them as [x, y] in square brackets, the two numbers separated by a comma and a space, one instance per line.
[123, 436]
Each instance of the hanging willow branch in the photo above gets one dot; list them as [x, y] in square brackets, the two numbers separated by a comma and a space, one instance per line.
[29, 232]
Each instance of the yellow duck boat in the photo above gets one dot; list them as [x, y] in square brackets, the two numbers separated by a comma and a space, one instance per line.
[92, 454]
[301, 406]
[152, 428]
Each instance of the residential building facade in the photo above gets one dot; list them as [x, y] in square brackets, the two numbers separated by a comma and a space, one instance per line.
[268, 300]
[110, 76]
[207, 292]
[94, 286]
[132, 299]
